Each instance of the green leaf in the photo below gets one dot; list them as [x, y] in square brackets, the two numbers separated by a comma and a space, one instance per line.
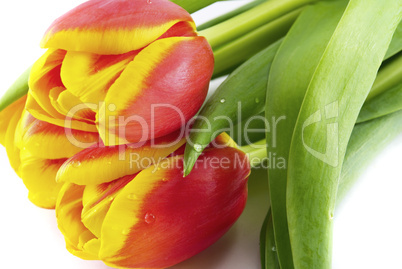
[245, 88]
[389, 76]
[368, 139]
[290, 75]
[385, 103]
[269, 258]
[396, 43]
[16, 91]
[339, 87]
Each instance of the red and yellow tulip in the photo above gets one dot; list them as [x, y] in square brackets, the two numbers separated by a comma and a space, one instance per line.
[119, 79]
[155, 218]
[131, 70]
[111, 75]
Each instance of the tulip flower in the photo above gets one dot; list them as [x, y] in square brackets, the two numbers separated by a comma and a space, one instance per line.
[124, 68]
[156, 218]
[118, 68]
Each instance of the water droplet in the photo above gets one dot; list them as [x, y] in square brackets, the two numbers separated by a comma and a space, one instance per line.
[76, 164]
[125, 231]
[223, 100]
[198, 147]
[273, 248]
[132, 196]
[149, 1]
[257, 100]
[149, 218]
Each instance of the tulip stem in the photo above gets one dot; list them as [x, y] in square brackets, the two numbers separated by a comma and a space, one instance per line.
[250, 20]
[256, 152]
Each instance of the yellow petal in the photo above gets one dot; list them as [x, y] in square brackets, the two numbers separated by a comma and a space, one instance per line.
[68, 213]
[39, 176]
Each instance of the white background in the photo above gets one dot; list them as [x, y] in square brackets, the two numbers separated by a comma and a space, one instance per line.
[367, 224]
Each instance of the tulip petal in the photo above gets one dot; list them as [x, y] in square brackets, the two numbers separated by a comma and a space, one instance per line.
[89, 76]
[159, 91]
[68, 213]
[97, 200]
[65, 102]
[99, 164]
[152, 222]
[45, 75]
[113, 27]
[7, 114]
[9, 121]
[45, 78]
[48, 141]
[37, 111]
[39, 176]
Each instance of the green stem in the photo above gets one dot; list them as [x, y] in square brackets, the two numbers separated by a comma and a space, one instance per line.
[231, 55]
[193, 5]
[256, 152]
[248, 21]
[389, 76]
[16, 91]
[229, 15]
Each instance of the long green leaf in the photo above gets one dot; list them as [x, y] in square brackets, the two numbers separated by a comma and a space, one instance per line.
[396, 43]
[366, 142]
[269, 257]
[224, 109]
[290, 75]
[385, 103]
[339, 87]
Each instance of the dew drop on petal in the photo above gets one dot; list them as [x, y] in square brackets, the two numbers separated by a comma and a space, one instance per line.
[198, 147]
[223, 100]
[76, 164]
[149, 218]
[273, 248]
